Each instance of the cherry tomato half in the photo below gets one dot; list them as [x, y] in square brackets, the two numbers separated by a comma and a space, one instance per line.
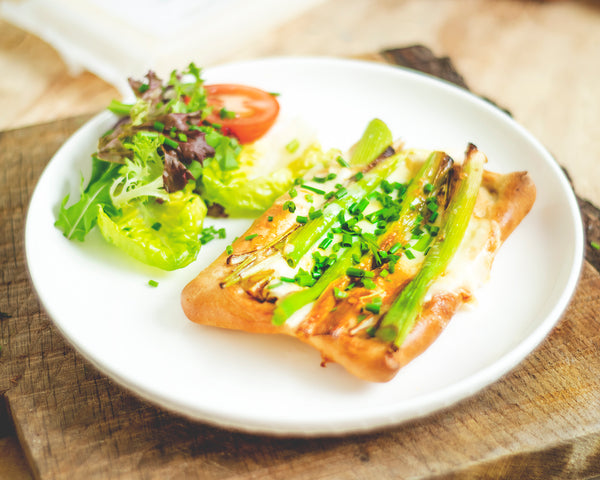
[246, 112]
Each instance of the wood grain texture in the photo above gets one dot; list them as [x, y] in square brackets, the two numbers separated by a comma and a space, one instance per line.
[539, 421]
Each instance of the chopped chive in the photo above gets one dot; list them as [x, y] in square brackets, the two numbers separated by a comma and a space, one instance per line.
[229, 249]
[313, 189]
[409, 254]
[290, 206]
[315, 214]
[374, 306]
[293, 193]
[153, 283]
[342, 162]
[331, 176]
[428, 188]
[362, 205]
[355, 272]
[395, 248]
[292, 146]
[224, 113]
[384, 273]
[171, 143]
[346, 240]
[301, 219]
[250, 237]
[159, 126]
[595, 245]
[156, 226]
[368, 283]
[143, 87]
[270, 218]
[325, 243]
[339, 294]
[182, 137]
[359, 175]
[341, 193]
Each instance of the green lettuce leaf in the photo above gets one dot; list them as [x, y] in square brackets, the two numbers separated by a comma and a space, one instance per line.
[164, 235]
[247, 190]
[75, 221]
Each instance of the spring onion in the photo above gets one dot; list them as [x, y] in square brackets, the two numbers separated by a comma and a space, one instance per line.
[403, 313]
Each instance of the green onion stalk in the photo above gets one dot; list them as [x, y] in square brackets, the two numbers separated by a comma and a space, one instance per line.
[433, 172]
[402, 315]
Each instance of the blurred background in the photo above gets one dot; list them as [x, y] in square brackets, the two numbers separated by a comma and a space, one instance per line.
[538, 59]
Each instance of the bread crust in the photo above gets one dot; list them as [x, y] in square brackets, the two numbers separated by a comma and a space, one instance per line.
[504, 200]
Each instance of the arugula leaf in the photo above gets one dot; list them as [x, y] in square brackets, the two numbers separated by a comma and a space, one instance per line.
[78, 219]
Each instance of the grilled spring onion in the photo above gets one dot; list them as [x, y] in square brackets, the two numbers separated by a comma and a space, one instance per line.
[433, 172]
[403, 313]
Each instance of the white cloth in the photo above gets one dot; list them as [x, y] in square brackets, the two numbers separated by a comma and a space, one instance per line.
[115, 39]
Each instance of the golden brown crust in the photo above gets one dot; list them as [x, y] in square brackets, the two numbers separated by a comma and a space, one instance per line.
[504, 201]
[515, 195]
[204, 301]
[376, 361]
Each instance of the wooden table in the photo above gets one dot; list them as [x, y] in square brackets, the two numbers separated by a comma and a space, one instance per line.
[537, 59]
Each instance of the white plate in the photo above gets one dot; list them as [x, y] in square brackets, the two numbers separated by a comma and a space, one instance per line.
[100, 299]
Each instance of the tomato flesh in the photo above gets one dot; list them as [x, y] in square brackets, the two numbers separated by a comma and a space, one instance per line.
[247, 112]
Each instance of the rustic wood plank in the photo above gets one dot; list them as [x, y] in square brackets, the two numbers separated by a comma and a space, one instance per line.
[539, 421]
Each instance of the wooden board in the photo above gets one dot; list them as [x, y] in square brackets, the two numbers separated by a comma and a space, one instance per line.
[539, 421]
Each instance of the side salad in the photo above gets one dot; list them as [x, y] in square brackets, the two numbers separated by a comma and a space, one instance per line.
[183, 149]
